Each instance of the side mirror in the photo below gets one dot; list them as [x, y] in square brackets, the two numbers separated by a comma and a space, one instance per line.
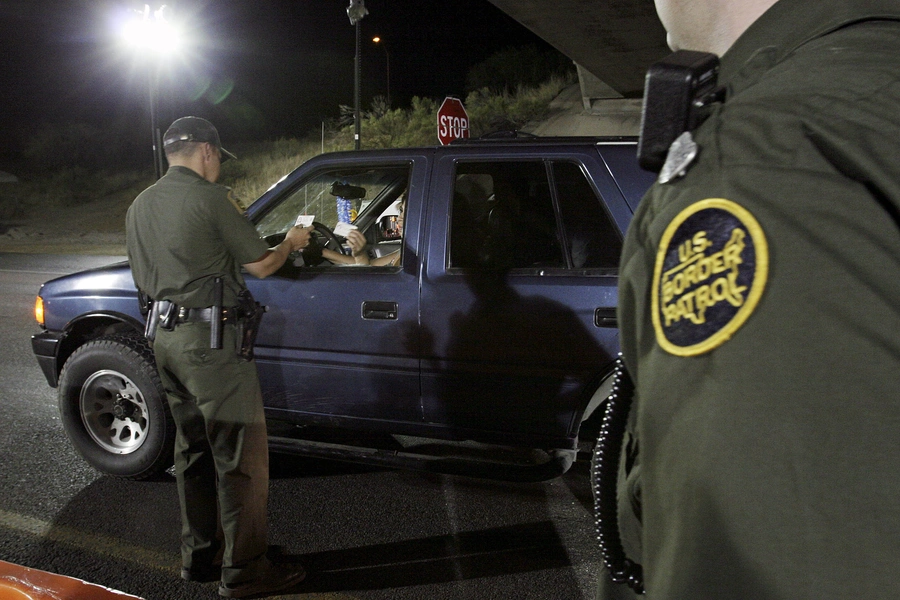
[388, 228]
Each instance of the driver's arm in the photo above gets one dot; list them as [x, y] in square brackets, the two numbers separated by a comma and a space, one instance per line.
[357, 243]
[296, 238]
[336, 257]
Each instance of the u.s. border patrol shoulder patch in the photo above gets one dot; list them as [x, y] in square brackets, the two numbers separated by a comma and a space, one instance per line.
[711, 269]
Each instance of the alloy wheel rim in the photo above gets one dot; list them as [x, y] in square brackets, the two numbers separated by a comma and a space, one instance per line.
[114, 412]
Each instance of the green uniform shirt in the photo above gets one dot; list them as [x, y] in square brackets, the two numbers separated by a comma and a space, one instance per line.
[759, 307]
[183, 232]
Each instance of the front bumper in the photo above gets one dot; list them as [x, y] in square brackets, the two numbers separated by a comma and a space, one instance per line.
[46, 349]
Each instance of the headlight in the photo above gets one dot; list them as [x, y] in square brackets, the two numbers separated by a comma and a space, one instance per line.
[39, 311]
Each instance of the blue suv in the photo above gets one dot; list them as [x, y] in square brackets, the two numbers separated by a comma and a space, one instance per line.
[481, 351]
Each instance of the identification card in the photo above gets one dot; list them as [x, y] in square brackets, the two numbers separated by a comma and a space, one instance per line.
[342, 229]
[305, 220]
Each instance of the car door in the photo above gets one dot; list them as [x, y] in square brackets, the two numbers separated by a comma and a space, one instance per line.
[338, 343]
[518, 300]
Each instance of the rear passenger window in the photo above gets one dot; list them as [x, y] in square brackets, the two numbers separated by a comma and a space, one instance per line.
[592, 240]
[529, 215]
[503, 217]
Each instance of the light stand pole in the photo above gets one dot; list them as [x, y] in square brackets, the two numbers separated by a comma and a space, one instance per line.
[152, 36]
[387, 59]
[356, 11]
[356, 69]
[154, 119]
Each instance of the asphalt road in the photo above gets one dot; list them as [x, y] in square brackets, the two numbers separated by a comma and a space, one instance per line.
[361, 532]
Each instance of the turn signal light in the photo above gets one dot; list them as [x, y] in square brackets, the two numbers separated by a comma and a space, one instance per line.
[39, 311]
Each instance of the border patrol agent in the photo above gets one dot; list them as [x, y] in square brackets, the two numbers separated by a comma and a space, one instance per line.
[186, 243]
[759, 305]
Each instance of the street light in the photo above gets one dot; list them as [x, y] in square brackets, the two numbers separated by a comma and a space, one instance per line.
[151, 31]
[356, 11]
[377, 40]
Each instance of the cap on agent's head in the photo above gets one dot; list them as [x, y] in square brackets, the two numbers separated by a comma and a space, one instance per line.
[194, 129]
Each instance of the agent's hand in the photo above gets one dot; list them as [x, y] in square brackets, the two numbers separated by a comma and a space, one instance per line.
[298, 237]
[356, 241]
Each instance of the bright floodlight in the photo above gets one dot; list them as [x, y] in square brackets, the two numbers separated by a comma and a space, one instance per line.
[152, 31]
[356, 11]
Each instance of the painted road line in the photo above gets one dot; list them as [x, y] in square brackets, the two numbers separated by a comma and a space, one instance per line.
[89, 541]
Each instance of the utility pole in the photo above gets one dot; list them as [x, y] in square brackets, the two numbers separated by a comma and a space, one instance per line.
[356, 11]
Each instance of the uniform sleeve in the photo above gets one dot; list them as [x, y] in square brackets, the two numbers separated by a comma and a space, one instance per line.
[238, 233]
[851, 134]
[839, 143]
[769, 460]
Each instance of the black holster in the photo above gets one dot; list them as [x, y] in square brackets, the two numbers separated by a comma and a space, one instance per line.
[161, 314]
[250, 314]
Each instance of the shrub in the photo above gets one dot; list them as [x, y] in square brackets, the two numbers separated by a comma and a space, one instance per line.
[262, 165]
[489, 112]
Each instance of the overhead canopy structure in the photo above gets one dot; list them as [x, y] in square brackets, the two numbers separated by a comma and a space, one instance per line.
[613, 40]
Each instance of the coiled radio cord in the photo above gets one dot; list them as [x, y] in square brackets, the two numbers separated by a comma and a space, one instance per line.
[604, 472]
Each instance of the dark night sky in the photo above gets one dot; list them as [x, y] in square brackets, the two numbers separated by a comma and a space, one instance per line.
[259, 68]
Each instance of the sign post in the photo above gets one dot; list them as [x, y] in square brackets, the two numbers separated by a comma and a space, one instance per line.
[452, 121]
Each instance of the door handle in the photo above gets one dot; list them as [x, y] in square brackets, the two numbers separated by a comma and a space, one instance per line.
[377, 310]
[605, 317]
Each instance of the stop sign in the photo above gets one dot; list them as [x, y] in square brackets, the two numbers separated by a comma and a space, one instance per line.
[452, 121]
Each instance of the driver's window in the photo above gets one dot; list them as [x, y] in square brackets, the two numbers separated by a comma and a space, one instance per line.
[368, 199]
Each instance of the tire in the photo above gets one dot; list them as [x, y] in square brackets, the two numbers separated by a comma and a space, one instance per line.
[114, 409]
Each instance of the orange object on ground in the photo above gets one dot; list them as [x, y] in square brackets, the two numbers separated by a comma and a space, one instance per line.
[23, 583]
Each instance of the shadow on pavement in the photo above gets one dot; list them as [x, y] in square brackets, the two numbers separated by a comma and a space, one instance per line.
[468, 555]
[125, 534]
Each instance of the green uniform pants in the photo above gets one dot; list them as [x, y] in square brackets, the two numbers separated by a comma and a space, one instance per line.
[221, 451]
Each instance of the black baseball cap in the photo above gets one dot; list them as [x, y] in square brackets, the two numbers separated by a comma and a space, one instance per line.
[195, 129]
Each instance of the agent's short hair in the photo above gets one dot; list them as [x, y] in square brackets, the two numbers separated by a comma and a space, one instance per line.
[182, 148]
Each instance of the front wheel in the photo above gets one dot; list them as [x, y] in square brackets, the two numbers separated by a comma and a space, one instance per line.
[114, 408]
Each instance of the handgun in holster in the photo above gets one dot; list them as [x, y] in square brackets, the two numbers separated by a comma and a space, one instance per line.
[250, 314]
[161, 313]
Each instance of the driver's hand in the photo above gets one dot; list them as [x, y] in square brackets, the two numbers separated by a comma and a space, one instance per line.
[298, 237]
[356, 241]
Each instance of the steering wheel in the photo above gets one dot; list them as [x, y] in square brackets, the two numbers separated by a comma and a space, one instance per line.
[312, 255]
[330, 237]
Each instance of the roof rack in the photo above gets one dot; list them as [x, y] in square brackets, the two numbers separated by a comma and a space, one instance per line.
[522, 137]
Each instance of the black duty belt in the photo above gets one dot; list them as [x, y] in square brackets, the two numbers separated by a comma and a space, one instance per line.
[204, 315]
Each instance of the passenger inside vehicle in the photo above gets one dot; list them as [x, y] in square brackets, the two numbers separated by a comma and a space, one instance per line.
[359, 246]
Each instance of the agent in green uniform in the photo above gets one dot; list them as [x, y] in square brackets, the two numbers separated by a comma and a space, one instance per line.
[182, 233]
[759, 306]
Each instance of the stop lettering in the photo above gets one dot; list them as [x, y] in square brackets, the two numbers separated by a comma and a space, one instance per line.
[452, 121]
